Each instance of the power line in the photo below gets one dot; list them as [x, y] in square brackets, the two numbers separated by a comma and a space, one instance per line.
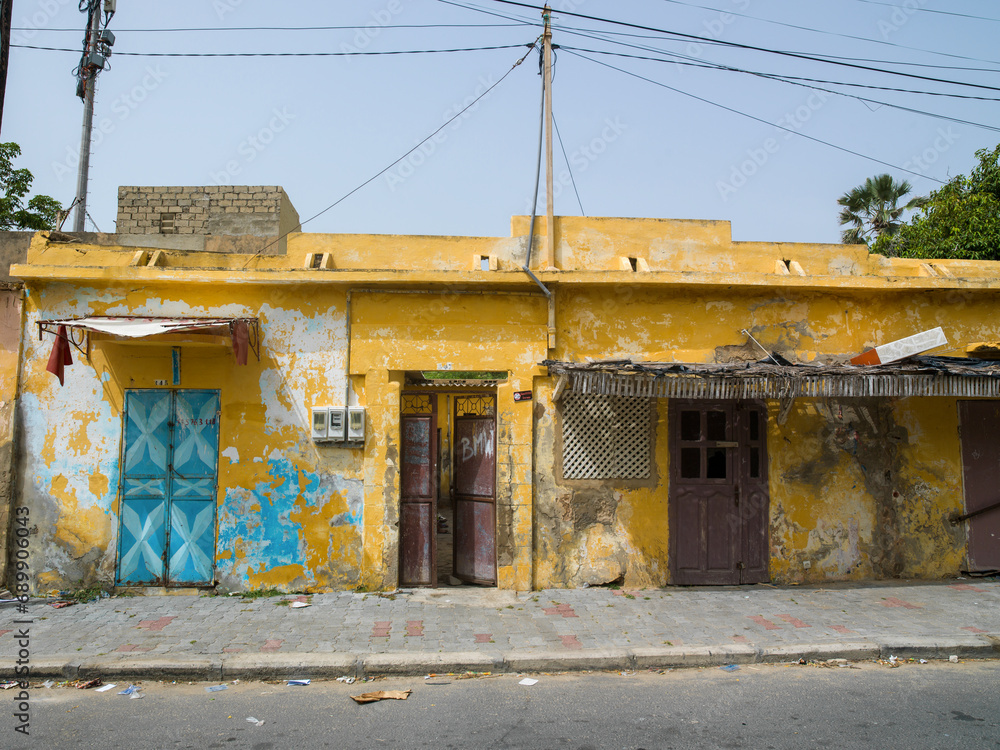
[803, 28]
[752, 117]
[569, 167]
[397, 161]
[930, 10]
[780, 76]
[737, 45]
[298, 28]
[284, 54]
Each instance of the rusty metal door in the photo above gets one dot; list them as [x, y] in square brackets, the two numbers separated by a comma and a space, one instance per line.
[719, 502]
[474, 462]
[418, 491]
[980, 425]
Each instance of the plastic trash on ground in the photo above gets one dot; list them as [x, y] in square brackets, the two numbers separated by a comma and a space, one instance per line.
[346, 680]
[216, 688]
[255, 721]
[529, 681]
[105, 688]
[299, 682]
[729, 668]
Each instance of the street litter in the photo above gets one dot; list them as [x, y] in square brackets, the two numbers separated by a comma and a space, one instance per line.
[62, 603]
[216, 688]
[349, 680]
[255, 720]
[129, 690]
[381, 695]
[528, 681]
[105, 688]
[87, 684]
[8, 684]
[892, 659]
[923, 661]
[803, 661]
[48, 684]
[953, 659]
[299, 682]
[298, 605]
[729, 668]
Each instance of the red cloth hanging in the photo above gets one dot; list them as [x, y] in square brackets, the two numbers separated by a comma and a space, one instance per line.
[241, 341]
[61, 356]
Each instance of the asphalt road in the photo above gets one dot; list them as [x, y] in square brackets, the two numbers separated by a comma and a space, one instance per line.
[937, 705]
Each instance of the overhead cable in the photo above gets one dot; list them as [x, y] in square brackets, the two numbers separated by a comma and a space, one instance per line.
[752, 117]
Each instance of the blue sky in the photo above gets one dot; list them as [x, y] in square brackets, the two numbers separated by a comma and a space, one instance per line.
[321, 126]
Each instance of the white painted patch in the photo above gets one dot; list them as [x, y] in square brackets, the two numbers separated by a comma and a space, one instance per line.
[232, 454]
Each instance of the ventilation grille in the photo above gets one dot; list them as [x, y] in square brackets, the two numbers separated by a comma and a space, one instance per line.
[605, 437]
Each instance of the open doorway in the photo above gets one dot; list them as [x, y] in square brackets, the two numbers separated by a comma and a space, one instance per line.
[448, 488]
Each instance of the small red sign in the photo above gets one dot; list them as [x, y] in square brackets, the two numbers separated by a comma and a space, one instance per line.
[522, 395]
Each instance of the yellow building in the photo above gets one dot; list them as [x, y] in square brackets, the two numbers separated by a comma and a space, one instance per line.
[380, 411]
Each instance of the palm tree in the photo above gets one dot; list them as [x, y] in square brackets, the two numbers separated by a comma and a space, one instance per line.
[872, 209]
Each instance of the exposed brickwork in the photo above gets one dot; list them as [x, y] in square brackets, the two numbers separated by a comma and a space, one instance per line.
[201, 210]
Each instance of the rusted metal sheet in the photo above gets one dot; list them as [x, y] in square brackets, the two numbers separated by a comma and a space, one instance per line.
[418, 499]
[475, 494]
[980, 421]
[719, 502]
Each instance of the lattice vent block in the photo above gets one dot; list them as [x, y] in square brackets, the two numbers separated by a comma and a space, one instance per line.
[606, 437]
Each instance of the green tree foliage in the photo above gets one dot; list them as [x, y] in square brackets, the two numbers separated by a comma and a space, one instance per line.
[872, 210]
[959, 220]
[39, 213]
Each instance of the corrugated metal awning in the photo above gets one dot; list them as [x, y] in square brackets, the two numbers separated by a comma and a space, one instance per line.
[918, 376]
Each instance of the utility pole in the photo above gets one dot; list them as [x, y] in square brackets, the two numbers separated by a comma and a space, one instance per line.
[548, 261]
[96, 48]
[88, 76]
[6, 12]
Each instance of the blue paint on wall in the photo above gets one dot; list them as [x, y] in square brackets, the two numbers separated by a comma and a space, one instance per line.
[257, 521]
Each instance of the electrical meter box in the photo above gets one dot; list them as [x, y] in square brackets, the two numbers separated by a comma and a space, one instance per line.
[320, 423]
[356, 424]
[338, 424]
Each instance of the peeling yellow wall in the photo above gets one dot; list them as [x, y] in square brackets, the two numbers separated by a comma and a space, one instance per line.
[297, 514]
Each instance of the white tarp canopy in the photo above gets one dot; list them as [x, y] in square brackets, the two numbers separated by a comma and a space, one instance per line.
[137, 328]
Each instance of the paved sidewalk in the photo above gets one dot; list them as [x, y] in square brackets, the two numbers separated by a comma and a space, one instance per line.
[459, 629]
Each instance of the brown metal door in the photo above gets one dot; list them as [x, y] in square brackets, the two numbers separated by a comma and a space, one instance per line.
[474, 462]
[980, 421]
[719, 501]
[418, 491]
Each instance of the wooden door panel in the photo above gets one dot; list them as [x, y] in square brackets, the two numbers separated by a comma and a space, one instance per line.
[418, 495]
[719, 503]
[980, 421]
[474, 462]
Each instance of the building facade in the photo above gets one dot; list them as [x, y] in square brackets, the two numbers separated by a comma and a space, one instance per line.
[367, 411]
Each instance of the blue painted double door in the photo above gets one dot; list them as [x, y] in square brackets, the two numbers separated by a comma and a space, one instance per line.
[170, 459]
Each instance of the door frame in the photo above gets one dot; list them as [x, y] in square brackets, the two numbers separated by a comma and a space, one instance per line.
[746, 463]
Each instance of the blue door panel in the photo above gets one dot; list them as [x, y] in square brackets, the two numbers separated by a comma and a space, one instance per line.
[168, 487]
[141, 541]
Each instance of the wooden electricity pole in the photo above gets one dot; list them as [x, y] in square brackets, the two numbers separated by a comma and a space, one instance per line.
[549, 259]
[6, 11]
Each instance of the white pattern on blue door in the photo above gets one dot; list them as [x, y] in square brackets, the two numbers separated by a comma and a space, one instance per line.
[169, 471]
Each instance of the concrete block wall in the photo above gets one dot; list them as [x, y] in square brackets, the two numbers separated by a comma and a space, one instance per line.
[260, 211]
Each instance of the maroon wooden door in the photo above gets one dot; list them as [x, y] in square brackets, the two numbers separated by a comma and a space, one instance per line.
[474, 464]
[980, 425]
[719, 502]
[418, 491]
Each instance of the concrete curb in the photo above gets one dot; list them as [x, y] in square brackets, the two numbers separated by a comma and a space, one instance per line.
[247, 666]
